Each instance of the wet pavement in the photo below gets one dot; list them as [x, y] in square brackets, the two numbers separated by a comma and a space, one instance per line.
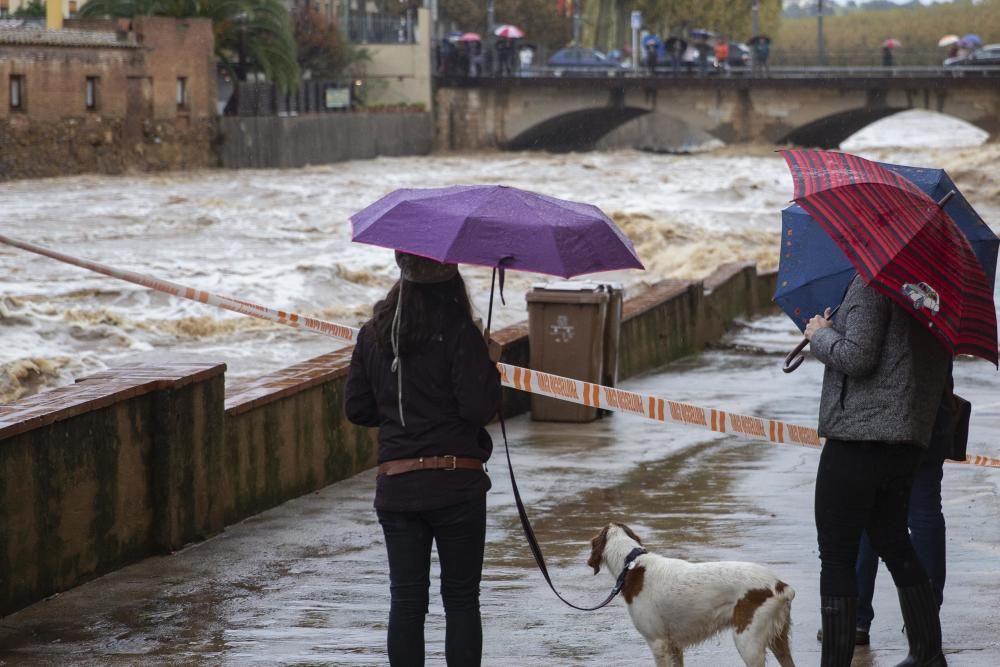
[305, 583]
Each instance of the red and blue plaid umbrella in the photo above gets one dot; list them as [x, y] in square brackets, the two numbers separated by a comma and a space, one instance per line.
[901, 242]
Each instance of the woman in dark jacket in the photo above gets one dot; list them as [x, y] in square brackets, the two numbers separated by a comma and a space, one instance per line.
[422, 374]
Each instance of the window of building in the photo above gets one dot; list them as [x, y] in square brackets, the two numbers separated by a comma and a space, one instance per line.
[90, 95]
[182, 92]
[17, 92]
[4, 9]
[72, 8]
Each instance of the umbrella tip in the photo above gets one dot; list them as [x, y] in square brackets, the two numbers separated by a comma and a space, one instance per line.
[944, 200]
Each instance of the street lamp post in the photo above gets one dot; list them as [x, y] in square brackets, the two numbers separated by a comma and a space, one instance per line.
[820, 48]
[490, 17]
[576, 21]
[754, 18]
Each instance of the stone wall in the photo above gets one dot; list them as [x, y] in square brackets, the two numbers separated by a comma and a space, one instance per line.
[286, 435]
[142, 460]
[105, 472]
[286, 142]
[136, 122]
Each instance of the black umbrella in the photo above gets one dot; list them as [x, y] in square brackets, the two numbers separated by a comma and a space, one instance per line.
[759, 38]
[675, 41]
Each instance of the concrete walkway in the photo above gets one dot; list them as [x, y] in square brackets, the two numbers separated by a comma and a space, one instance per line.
[305, 583]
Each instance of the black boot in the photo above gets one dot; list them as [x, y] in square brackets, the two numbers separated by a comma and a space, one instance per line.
[839, 615]
[923, 626]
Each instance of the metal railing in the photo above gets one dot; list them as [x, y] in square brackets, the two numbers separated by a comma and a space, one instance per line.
[312, 96]
[787, 72]
[376, 29]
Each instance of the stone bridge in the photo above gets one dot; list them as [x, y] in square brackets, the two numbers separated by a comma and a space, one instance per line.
[574, 112]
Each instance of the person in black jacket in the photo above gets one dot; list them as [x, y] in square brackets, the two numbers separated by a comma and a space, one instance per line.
[423, 374]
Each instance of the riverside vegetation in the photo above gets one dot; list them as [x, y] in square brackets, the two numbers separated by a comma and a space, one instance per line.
[854, 38]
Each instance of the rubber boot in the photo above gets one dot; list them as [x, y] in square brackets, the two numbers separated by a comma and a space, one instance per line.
[923, 626]
[839, 615]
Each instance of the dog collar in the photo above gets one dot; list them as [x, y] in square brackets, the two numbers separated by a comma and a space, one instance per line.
[629, 564]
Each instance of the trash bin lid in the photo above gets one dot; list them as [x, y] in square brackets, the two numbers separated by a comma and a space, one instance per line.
[568, 286]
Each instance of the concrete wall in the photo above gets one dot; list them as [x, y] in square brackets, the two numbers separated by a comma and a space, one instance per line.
[104, 472]
[401, 73]
[286, 435]
[280, 142]
[142, 460]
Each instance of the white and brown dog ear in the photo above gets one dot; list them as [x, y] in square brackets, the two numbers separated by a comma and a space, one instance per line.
[597, 546]
[628, 531]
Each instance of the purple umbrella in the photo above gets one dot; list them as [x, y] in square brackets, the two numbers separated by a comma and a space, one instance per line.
[496, 226]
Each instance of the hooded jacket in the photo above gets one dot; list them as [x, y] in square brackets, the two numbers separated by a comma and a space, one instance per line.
[450, 391]
[885, 374]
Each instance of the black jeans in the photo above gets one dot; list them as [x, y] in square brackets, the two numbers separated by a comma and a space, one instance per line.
[864, 486]
[460, 534]
[927, 533]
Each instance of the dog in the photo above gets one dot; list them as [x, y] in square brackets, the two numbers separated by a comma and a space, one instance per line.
[675, 604]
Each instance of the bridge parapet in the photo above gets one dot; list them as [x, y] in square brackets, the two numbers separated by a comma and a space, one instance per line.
[820, 110]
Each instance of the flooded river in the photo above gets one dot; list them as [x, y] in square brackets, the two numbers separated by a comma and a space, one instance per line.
[282, 238]
[305, 583]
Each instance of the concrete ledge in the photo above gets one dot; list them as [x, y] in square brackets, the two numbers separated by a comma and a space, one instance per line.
[286, 435]
[105, 472]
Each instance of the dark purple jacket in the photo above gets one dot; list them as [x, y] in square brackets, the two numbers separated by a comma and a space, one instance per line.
[451, 390]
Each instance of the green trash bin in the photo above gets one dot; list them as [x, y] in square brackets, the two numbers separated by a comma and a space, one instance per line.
[566, 329]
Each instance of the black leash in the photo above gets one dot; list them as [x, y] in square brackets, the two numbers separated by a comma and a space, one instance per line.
[536, 550]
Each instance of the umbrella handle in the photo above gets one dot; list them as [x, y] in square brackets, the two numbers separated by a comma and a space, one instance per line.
[794, 358]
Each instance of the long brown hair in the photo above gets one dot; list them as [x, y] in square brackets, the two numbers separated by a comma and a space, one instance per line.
[428, 309]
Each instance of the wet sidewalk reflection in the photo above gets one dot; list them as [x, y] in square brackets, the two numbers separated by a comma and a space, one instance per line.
[306, 583]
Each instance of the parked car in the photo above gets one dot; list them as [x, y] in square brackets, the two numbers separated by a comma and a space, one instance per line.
[986, 56]
[579, 57]
[739, 55]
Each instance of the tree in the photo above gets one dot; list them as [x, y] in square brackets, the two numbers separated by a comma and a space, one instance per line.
[542, 25]
[249, 34]
[323, 49]
[467, 14]
[727, 17]
[35, 9]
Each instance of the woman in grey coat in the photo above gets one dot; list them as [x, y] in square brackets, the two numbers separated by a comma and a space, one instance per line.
[884, 379]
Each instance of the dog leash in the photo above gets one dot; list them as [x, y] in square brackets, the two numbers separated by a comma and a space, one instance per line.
[536, 549]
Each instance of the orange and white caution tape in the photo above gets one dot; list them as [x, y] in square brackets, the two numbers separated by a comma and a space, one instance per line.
[657, 408]
[294, 320]
[524, 379]
[664, 410]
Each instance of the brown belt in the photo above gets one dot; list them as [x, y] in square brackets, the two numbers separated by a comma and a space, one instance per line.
[448, 462]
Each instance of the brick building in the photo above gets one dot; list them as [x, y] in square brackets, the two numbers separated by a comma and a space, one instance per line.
[107, 96]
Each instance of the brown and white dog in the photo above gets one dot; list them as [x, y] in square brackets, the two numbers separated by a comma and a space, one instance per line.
[675, 604]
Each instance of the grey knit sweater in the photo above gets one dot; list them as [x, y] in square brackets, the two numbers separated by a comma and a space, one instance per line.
[885, 375]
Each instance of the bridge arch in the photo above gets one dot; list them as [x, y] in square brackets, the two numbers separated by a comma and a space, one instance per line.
[574, 130]
[830, 131]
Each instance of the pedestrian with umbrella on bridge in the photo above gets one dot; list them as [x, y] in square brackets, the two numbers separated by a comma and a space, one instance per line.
[760, 46]
[675, 48]
[919, 295]
[424, 375]
[887, 47]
